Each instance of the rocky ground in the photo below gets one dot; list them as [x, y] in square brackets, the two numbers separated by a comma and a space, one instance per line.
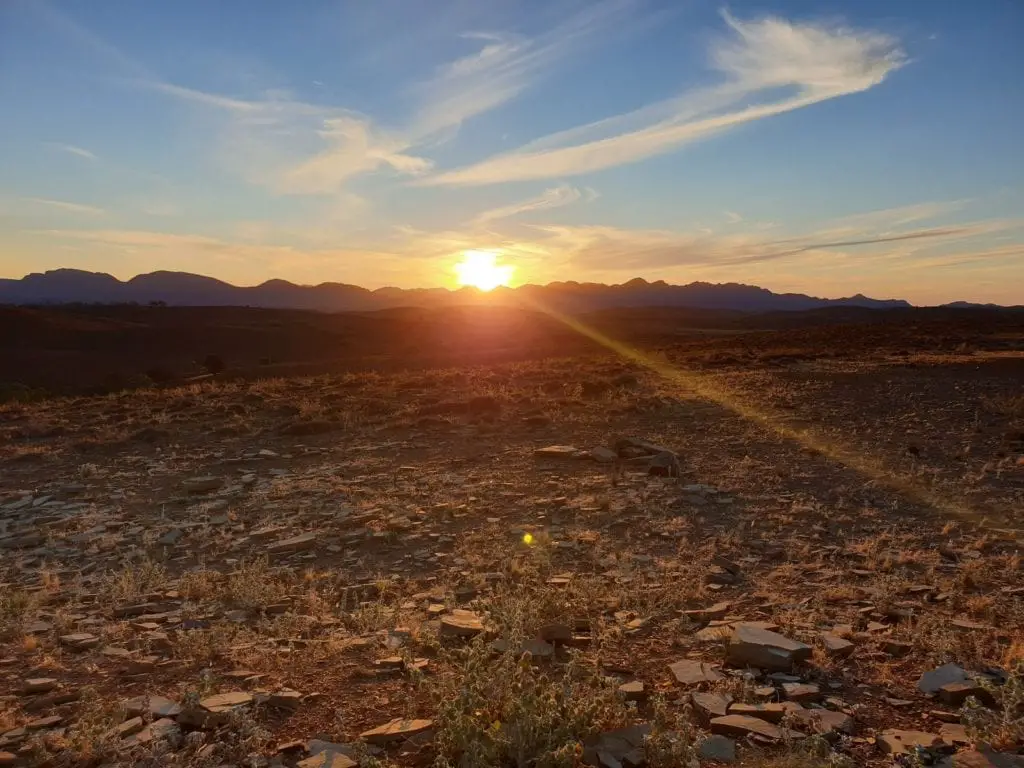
[566, 562]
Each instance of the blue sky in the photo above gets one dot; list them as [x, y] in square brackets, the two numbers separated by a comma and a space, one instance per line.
[804, 145]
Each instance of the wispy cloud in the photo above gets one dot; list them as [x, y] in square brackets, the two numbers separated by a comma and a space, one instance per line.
[89, 210]
[556, 197]
[71, 149]
[300, 148]
[636, 251]
[354, 148]
[899, 216]
[503, 67]
[758, 59]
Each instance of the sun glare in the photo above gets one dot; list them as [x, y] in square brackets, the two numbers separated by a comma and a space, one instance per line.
[480, 269]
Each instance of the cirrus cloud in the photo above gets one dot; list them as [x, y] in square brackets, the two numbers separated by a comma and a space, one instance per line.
[817, 62]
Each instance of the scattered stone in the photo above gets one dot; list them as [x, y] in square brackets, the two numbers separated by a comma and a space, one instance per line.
[710, 705]
[824, 722]
[79, 641]
[954, 734]
[38, 685]
[694, 672]
[301, 543]
[204, 484]
[897, 648]
[955, 694]
[716, 574]
[557, 634]
[558, 452]
[718, 748]
[171, 538]
[461, 623]
[801, 692]
[163, 729]
[752, 646]
[603, 455]
[715, 612]
[224, 702]
[931, 682]
[128, 728]
[328, 759]
[665, 464]
[973, 626]
[157, 706]
[741, 726]
[327, 754]
[895, 741]
[633, 691]
[982, 758]
[397, 730]
[836, 646]
[614, 749]
[772, 712]
[285, 700]
[43, 723]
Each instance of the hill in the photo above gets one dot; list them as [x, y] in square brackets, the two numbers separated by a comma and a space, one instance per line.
[63, 286]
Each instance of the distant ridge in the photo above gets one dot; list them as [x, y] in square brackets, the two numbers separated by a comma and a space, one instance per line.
[65, 286]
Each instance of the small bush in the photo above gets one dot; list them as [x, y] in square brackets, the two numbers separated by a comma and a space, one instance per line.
[1003, 726]
[15, 605]
[501, 710]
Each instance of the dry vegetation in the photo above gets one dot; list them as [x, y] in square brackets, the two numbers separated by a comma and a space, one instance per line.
[346, 550]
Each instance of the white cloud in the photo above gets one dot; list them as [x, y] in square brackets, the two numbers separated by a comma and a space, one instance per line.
[88, 210]
[71, 149]
[354, 148]
[295, 147]
[816, 61]
[502, 68]
[556, 197]
[611, 249]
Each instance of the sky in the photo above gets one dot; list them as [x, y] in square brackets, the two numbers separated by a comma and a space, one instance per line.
[818, 146]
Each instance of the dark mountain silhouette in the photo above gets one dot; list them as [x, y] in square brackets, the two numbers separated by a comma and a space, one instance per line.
[63, 286]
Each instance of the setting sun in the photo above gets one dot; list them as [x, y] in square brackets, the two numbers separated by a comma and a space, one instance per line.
[481, 270]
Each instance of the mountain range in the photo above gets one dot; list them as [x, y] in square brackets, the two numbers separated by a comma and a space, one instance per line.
[65, 286]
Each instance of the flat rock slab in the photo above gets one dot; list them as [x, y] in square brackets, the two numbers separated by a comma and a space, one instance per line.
[559, 452]
[931, 682]
[772, 712]
[223, 702]
[824, 722]
[301, 543]
[718, 748]
[328, 759]
[157, 706]
[624, 746]
[895, 741]
[461, 623]
[694, 672]
[711, 705]
[204, 484]
[752, 646]
[396, 730]
[983, 759]
[836, 646]
[741, 726]
[79, 641]
[38, 685]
